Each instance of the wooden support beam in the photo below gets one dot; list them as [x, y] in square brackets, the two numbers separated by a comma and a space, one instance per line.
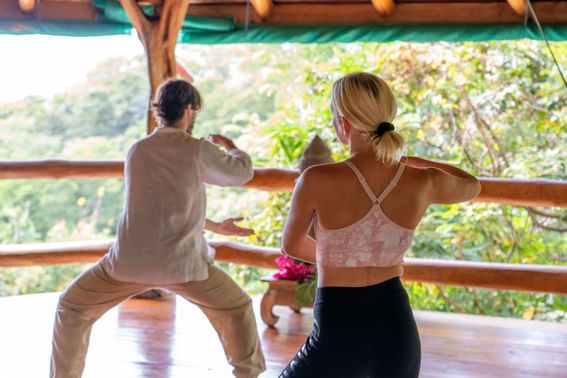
[519, 6]
[522, 277]
[263, 7]
[385, 8]
[158, 34]
[537, 193]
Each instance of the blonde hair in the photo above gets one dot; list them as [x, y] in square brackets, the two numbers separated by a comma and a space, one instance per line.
[366, 101]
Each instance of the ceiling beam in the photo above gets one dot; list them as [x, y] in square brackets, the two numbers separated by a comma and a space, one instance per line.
[322, 13]
[406, 13]
[385, 8]
[71, 10]
[262, 7]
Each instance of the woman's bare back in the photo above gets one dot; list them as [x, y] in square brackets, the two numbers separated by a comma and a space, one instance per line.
[341, 201]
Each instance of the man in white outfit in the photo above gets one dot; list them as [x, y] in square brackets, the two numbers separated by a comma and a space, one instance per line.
[160, 240]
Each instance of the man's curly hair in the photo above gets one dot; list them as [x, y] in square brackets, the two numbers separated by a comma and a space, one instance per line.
[171, 99]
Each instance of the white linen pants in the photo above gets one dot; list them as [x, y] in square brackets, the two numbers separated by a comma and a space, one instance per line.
[227, 306]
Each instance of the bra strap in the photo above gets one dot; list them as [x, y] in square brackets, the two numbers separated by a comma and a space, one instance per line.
[363, 182]
[392, 183]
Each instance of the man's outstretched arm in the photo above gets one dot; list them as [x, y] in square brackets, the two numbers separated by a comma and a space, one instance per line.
[228, 227]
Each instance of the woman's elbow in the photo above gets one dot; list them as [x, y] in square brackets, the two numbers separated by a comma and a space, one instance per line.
[287, 249]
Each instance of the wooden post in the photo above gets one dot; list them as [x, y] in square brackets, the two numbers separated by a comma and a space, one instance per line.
[158, 34]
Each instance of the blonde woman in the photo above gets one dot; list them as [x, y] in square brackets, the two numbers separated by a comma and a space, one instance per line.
[367, 208]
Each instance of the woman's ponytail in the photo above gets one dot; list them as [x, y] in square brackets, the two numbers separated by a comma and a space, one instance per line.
[368, 103]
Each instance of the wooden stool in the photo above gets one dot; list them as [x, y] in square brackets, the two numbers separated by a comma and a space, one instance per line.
[280, 292]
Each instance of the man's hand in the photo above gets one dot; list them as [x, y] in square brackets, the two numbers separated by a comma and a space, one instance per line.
[228, 227]
[221, 141]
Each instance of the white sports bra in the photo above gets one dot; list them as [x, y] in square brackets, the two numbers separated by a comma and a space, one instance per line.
[373, 240]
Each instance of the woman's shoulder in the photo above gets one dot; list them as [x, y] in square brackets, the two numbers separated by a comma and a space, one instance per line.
[319, 176]
[415, 179]
[324, 171]
[416, 172]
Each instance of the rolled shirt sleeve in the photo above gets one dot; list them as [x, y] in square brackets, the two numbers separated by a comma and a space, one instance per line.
[217, 167]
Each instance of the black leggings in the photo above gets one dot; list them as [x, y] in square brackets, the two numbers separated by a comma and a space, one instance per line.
[362, 332]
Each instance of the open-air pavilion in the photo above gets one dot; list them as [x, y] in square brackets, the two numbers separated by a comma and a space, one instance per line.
[169, 338]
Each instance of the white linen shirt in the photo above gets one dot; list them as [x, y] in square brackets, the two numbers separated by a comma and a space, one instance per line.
[160, 234]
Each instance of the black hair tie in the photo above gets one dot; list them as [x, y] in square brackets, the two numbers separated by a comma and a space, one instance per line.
[383, 128]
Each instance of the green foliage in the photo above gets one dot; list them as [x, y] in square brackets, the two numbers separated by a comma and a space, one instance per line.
[29, 280]
[496, 108]
[113, 99]
[305, 295]
[526, 306]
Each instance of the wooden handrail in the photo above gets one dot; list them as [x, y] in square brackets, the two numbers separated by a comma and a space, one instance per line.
[61, 169]
[552, 193]
[18, 255]
[521, 277]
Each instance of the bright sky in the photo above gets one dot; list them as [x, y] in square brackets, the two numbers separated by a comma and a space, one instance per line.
[43, 65]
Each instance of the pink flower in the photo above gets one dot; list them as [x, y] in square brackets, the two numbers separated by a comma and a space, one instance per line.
[291, 270]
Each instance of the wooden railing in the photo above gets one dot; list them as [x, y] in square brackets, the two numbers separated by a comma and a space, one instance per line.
[536, 278]
[546, 193]
[521, 277]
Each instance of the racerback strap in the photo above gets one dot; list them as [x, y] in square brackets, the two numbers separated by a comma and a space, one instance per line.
[367, 188]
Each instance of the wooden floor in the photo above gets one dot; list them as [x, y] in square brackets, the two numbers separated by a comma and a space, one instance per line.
[171, 338]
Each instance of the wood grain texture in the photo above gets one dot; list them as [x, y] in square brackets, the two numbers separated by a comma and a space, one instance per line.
[321, 12]
[406, 13]
[171, 338]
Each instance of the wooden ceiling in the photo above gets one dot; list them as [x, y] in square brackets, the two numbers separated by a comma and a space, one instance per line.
[315, 12]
